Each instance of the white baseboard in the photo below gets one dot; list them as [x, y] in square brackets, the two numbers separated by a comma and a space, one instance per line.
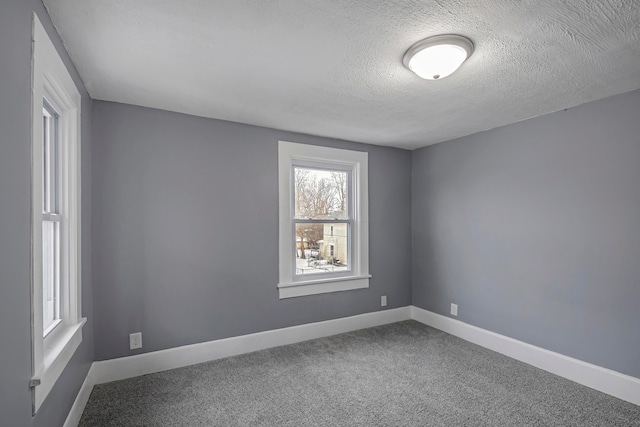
[75, 413]
[147, 363]
[605, 380]
[619, 385]
[178, 357]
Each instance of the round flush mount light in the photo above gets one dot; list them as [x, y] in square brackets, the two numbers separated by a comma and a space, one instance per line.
[439, 56]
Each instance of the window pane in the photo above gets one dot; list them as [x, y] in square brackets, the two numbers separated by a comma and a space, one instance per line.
[319, 251]
[50, 274]
[50, 228]
[50, 160]
[45, 159]
[321, 194]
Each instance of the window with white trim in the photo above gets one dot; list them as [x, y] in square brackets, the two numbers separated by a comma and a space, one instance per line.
[323, 207]
[51, 218]
[55, 227]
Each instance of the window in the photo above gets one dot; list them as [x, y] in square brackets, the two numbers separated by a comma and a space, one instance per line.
[323, 233]
[321, 199]
[55, 227]
[50, 217]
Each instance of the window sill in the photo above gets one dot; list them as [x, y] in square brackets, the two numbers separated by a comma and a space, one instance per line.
[56, 358]
[321, 286]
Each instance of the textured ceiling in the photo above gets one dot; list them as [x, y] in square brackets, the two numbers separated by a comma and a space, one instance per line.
[334, 67]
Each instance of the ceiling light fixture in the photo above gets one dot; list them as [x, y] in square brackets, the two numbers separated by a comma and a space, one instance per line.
[436, 57]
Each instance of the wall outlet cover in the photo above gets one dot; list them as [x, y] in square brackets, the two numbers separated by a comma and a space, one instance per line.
[383, 301]
[135, 340]
[454, 309]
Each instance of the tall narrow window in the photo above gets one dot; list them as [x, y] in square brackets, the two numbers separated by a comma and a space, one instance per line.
[323, 220]
[55, 217]
[51, 218]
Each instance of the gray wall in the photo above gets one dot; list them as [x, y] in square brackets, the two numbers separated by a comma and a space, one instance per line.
[186, 231]
[15, 234]
[533, 229]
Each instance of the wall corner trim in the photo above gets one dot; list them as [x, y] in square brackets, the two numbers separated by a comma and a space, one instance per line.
[75, 413]
[614, 383]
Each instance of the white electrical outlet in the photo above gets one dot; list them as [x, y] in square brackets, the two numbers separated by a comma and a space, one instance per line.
[135, 340]
[454, 309]
[383, 301]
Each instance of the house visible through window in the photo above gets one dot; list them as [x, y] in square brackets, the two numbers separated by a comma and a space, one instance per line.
[323, 245]
[322, 205]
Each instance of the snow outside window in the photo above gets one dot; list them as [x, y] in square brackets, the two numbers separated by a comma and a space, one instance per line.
[323, 232]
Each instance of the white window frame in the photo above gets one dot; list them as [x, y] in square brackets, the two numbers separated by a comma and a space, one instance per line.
[50, 207]
[289, 155]
[51, 79]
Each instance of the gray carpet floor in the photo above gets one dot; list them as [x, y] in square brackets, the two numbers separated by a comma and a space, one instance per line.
[403, 374]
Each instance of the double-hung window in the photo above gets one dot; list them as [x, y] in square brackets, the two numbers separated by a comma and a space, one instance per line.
[323, 231]
[55, 217]
[51, 218]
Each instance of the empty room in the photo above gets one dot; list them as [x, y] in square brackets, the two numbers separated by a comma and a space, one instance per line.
[319, 213]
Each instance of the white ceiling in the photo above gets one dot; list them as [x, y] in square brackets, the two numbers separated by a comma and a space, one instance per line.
[334, 67]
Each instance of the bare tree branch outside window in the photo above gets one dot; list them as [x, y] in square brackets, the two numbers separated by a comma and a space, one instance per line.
[319, 195]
